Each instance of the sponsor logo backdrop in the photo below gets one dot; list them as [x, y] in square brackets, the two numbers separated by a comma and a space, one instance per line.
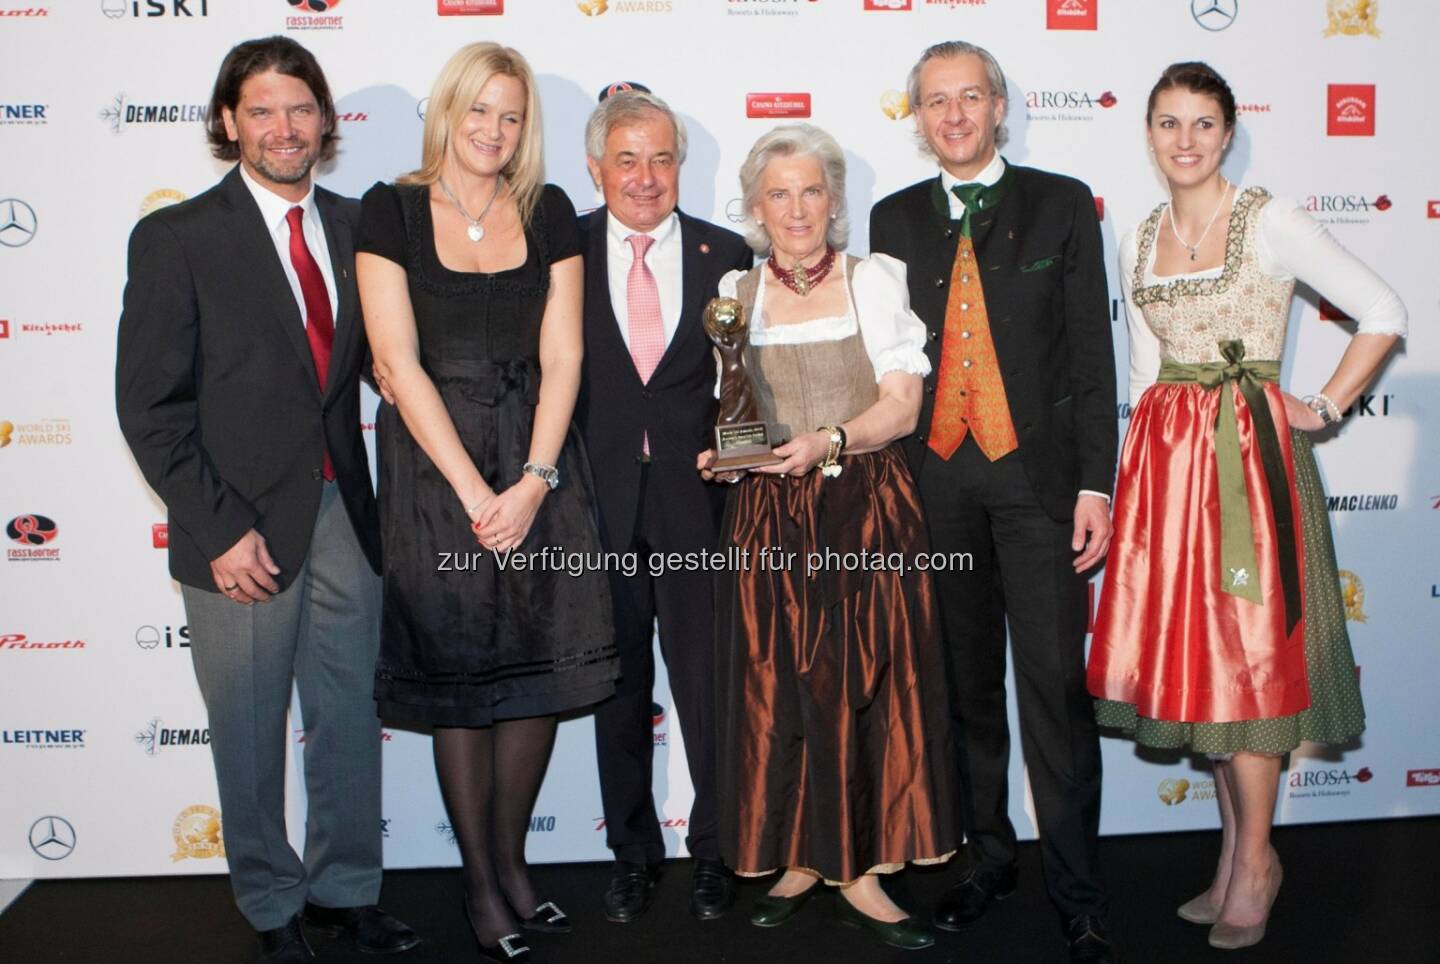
[102, 123]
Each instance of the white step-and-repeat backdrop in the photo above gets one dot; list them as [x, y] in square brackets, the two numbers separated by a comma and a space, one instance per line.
[104, 763]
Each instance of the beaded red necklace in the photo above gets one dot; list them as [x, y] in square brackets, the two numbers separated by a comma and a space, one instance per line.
[802, 280]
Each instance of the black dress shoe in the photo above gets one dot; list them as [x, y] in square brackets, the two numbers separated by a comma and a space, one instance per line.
[373, 930]
[631, 886]
[547, 919]
[908, 934]
[965, 902]
[1089, 940]
[770, 911]
[712, 890]
[285, 944]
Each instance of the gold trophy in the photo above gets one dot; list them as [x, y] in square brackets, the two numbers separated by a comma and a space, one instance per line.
[742, 441]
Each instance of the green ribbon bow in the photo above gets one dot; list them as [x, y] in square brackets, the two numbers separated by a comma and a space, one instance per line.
[1238, 573]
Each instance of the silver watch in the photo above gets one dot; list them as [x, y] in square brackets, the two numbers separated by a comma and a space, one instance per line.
[545, 473]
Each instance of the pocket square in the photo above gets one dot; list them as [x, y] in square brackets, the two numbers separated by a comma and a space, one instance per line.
[1042, 264]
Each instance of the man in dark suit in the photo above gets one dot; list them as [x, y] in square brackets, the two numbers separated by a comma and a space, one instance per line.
[237, 389]
[1015, 457]
[645, 407]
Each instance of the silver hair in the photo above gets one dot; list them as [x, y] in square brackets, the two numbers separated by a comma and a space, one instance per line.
[628, 107]
[790, 140]
[994, 76]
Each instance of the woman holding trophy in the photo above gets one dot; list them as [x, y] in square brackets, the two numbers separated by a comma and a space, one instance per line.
[834, 760]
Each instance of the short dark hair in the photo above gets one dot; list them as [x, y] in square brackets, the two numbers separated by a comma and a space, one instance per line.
[282, 55]
[1198, 78]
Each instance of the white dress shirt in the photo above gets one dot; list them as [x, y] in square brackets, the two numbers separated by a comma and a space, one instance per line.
[1289, 244]
[664, 260]
[989, 175]
[273, 210]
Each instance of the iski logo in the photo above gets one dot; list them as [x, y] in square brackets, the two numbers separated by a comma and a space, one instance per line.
[1351, 110]
[1422, 778]
[1072, 14]
[777, 105]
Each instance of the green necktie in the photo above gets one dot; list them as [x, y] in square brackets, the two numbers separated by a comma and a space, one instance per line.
[971, 195]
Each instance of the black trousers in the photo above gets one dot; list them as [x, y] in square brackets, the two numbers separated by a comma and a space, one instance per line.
[624, 730]
[1022, 575]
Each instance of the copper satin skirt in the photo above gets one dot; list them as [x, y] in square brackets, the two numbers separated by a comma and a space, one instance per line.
[1167, 638]
[834, 749]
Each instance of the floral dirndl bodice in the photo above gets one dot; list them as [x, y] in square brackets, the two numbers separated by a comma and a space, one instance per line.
[1192, 316]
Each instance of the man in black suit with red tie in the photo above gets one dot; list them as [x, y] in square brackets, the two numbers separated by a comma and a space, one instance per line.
[645, 408]
[237, 389]
[1015, 457]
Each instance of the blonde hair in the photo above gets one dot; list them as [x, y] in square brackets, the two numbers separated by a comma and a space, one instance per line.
[455, 91]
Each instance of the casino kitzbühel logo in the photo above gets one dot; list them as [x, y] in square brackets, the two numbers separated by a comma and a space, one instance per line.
[17, 223]
[1352, 18]
[1072, 14]
[1351, 110]
[198, 833]
[52, 838]
[1214, 15]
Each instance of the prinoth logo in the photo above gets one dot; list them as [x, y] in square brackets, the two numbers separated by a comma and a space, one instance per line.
[160, 198]
[156, 736]
[1333, 208]
[1422, 778]
[1352, 18]
[1072, 14]
[28, 115]
[313, 15]
[895, 104]
[1174, 791]
[1066, 105]
[13, 642]
[1352, 593]
[153, 9]
[49, 431]
[198, 834]
[33, 534]
[777, 105]
[162, 637]
[1351, 110]
[1373, 502]
[121, 114]
[24, 12]
[469, 8]
[43, 739]
[657, 724]
[1332, 782]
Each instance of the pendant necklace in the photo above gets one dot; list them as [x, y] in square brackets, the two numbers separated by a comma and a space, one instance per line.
[475, 231]
[801, 279]
[1201, 240]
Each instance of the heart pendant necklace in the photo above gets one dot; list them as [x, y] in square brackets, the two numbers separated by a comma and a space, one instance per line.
[475, 231]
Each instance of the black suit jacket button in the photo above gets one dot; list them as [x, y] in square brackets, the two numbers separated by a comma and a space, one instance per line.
[934, 334]
[316, 474]
[646, 393]
[949, 232]
[939, 282]
[920, 439]
[929, 389]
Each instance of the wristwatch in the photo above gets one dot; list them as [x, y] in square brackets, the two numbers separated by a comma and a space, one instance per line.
[545, 473]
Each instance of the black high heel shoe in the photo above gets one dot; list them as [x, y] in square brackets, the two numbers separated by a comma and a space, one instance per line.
[508, 950]
[547, 919]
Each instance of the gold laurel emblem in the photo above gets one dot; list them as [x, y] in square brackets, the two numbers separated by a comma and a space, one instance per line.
[593, 8]
[162, 198]
[895, 104]
[1352, 17]
[1173, 791]
[197, 834]
[1352, 591]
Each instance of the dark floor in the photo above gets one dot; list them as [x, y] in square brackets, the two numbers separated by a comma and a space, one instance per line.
[1356, 892]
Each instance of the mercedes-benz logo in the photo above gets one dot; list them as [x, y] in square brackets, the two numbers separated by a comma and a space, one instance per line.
[52, 838]
[420, 106]
[17, 222]
[1214, 15]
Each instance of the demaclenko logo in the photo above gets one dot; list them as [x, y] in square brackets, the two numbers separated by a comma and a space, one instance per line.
[121, 114]
[1362, 503]
[156, 736]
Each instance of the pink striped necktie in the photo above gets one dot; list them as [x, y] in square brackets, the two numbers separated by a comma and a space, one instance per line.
[642, 296]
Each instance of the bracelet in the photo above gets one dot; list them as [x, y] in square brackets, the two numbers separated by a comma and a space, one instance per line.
[1330, 406]
[1321, 405]
[545, 473]
[471, 508]
[830, 464]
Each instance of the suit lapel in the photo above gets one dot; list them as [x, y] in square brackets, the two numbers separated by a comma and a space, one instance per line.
[693, 261]
[342, 259]
[600, 311]
[998, 237]
[257, 251]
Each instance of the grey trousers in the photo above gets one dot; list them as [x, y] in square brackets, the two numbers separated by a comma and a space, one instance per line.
[322, 632]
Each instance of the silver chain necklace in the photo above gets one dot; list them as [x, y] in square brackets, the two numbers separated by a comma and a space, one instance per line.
[1208, 224]
[475, 231]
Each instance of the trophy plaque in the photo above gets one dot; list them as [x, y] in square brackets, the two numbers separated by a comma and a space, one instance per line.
[742, 441]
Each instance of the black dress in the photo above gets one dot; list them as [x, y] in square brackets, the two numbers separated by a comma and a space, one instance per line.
[465, 642]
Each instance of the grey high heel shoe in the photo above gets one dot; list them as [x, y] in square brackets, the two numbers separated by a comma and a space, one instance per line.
[1199, 910]
[1229, 937]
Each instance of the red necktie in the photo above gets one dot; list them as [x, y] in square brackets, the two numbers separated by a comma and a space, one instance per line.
[319, 322]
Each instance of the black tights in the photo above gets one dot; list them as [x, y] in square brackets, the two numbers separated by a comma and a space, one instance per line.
[489, 777]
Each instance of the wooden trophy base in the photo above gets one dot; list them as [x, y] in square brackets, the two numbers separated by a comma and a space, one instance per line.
[743, 445]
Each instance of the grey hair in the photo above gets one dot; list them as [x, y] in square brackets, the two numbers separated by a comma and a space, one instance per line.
[629, 107]
[994, 76]
[790, 140]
